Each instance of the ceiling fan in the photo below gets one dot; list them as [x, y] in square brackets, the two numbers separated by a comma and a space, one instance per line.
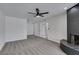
[38, 14]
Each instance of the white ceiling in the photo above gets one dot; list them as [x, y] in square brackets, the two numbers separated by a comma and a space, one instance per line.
[21, 9]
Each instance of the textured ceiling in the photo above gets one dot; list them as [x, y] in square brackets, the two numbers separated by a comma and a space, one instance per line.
[21, 9]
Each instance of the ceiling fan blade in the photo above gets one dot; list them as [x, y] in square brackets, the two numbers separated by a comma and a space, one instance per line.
[44, 13]
[31, 13]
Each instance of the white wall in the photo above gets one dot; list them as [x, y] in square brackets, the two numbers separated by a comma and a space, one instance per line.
[57, 27]
[15, 29]
[2, 21]
[2, 29]
[29, 28]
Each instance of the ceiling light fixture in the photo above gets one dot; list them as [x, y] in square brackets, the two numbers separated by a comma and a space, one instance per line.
[65, 8]
[38, 16]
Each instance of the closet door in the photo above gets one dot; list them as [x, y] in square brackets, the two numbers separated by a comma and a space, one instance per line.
[43, 30]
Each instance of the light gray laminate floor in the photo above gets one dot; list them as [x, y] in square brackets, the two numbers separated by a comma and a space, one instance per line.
[32, 46]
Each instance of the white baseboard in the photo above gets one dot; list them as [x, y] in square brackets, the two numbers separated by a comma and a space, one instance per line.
[54, 40]
[14, 40]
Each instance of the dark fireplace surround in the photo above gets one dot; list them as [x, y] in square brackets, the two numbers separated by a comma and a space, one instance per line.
[73, 25]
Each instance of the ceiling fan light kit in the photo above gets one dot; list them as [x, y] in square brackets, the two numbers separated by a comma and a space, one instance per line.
[38, 16]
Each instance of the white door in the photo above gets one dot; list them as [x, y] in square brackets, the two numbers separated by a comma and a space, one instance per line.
[36, 29]
[43, 30]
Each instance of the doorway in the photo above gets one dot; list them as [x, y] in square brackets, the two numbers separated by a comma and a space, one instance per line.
[41, 29]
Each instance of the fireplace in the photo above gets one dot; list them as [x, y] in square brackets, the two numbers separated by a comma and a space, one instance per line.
[71, 45]
[74, 39]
